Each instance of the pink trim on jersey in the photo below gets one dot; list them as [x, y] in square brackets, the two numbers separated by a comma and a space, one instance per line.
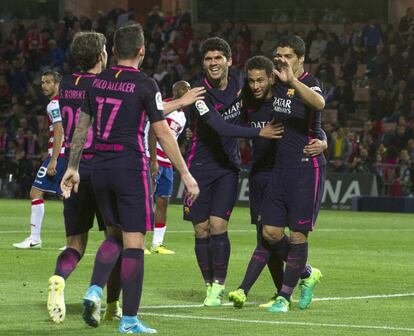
[303, 75]
[148, 206]
[316, 188]
[207, 83]
[125, 69]
[315, 196]
[193, 146]
[79, 74]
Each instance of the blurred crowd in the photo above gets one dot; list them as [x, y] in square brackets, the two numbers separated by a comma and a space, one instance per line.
[367, 70]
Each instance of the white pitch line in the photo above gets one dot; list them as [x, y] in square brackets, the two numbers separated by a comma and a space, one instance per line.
[308, 324]
[244, 231]
[345, 298]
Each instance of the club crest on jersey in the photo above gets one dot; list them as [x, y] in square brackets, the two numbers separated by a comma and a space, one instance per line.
[158, 101]
[290, 93]
[201, 107]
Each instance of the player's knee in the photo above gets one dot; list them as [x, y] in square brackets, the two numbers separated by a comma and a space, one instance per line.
[78, 243]
[35, 194]
[297, 237]
[271, 234]
[201, 230]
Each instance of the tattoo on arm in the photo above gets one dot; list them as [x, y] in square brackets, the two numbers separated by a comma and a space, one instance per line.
[79, 139]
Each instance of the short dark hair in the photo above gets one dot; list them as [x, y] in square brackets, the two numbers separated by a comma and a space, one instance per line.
[56, 75]
[127, 40]
[86, 48]
[260, 63]
[216, 43]
[295, 42]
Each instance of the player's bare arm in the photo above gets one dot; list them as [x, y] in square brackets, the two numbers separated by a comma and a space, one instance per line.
[170, 146]
[57, 144]
[70, 180]
[285, 73]
[315, 147]
[152, 145]
[187, 99]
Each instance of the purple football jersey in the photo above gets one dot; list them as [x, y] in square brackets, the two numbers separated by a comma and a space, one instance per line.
[119, 100]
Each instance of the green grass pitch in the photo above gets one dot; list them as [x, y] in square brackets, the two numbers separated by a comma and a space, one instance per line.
[367, 260]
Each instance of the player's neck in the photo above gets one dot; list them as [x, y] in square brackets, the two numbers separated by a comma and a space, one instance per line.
[53, 95]
[298, 73]
[96, 69]
[220, 83]
[133, 63]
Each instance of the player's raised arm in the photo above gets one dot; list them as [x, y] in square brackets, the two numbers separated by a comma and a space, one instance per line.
[312, 97]
[213, 118]
[187, 99]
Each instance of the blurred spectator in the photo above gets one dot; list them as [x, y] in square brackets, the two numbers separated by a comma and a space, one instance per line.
[399, 140]
[338, 166]
[361, 162]
[70, 19]
[154, 18]
[406, 25]
[54, 57]
[34, 45]
[325, 71]
[396, 62]
[340, 147]
[372, 37]
[380, 104]
[317, 47]
[377, 65]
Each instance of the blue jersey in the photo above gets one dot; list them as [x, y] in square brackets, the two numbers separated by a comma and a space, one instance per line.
[119, 100]
[72, 90]
[214, 122]
[301, 124]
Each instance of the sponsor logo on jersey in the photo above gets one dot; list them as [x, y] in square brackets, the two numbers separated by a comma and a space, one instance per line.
[55, 113]
[290, 93]
[158, 101]
[201, 107]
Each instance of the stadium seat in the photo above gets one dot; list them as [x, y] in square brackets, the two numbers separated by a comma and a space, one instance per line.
[362, 95]
[330, 116]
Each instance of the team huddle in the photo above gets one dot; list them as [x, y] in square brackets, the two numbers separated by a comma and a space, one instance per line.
[113, 165]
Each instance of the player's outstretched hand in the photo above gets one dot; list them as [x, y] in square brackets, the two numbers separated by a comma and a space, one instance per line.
[51, 168]
[70, 181]
[315, 147]
[191, 186]
[191, 96]
[272, 130]
[285, 71]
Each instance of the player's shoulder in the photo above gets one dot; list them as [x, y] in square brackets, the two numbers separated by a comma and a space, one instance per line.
[53, 104]
[311, 81]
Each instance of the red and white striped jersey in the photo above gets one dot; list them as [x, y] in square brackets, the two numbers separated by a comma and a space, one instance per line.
[54, 116]
[176, 121]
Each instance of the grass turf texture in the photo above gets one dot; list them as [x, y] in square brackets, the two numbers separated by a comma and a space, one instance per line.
[360, 255]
